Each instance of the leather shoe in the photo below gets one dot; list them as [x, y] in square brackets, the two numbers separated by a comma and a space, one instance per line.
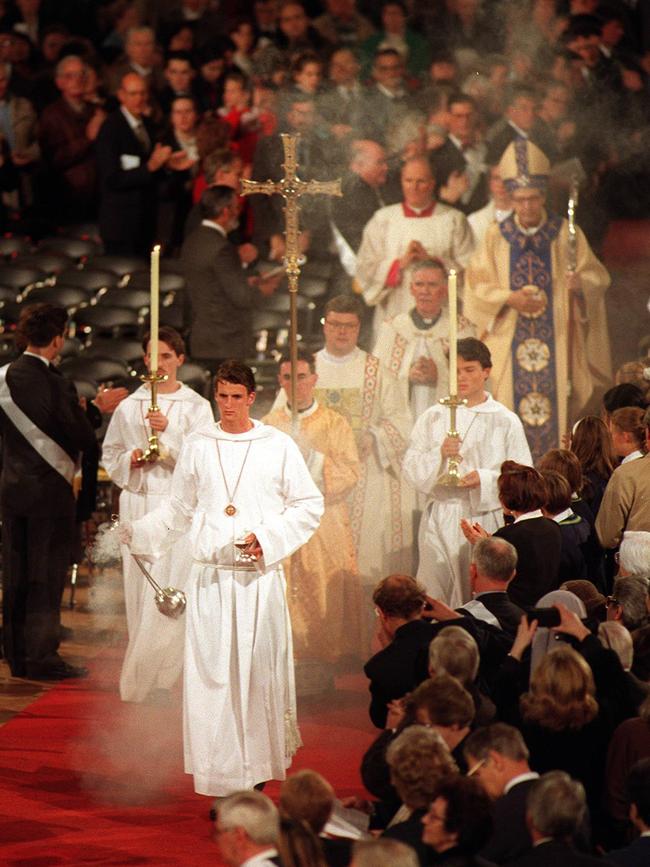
[59, 671]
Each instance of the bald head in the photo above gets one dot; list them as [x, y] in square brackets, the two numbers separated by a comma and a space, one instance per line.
[368, 160]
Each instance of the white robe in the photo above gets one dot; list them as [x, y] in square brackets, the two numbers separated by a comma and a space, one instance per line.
[381, 505]
[445, 234]
[399, 345]
[490, 434]
[239, 709]
[154, 656]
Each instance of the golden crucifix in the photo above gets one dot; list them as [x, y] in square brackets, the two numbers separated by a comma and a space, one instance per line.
[291, 188]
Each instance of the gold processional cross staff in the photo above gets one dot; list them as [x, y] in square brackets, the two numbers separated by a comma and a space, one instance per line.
[291, 188]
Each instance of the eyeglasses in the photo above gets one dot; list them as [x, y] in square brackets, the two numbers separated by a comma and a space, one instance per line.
[476, 767]
[612, 600]
[342, 326]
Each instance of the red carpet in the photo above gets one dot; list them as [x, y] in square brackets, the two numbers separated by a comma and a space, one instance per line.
[85, 779]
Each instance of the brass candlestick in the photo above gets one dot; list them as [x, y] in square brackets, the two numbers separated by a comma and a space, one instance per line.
[152, 452]
[451, 478]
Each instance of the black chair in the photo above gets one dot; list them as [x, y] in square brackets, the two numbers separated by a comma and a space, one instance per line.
[51, 263]
[93, 280]
[71, 348]
[9, 315]
[67, 296]
[109, 321]
[123, 348]
[87, 388]
[195, 376]
[172, 315]
[134, 299]
[85, 232]
[312, 287]
[7, 293]
[267, 324]
[169, 281]
[120, 265]
[8, 348]
[19, 277]
[74, 248]
[14, 246]
[96, 369]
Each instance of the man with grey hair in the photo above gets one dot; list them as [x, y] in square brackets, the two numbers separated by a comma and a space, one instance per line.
[383, 853]
[67, 131]
[493, 566]
[414, 345]
[246, 830]
[497, 756]
[628, 602]
[634, 553]
[555, 811]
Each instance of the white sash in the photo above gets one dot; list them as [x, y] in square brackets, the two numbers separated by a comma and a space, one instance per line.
[50, 451]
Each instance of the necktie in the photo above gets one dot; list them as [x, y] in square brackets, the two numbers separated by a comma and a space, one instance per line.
[142, 136]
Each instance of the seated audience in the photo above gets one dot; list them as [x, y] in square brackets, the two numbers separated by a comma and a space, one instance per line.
[555, 811]
[383, 853]
[247, 827]
[419, 762]
[498, 757]
[637, 854]
[458, 823]
[629, 601]
[444, 705]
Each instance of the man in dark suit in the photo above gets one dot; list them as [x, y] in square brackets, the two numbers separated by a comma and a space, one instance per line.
[493, 566]
[637, 854]
[518, 122]
[128, 164]
[555, 810]
[464, 145]
[246, 829]
[221, 295]
[362, 189]
[43, 431]
[313, 164]
[402, 663]
[387, 99]
[498, 757]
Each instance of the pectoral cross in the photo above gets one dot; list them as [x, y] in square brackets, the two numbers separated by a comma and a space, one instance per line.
[291, 188]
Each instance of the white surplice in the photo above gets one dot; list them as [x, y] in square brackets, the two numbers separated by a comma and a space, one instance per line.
[490, 434]
[239, 708]
[154, 656]
[401, 342]
[445, 234]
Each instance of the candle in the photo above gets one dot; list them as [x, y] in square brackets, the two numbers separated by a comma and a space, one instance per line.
[453, 334]
[153, 308]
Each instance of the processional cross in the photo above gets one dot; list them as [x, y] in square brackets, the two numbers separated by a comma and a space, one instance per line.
[291, 188]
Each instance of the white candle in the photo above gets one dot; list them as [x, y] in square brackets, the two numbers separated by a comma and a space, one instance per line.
[453, 333]
[153, 308]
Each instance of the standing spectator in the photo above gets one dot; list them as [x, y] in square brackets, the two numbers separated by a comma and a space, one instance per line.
[342, 24]
[179, 74]
[592, 445]
[628, 433]
[397, 35]
[68, 130]
[43, 430]
[221, 295]
[342, 105]
[18, 136]
[175, 187]
[141, 57]
[129, 165]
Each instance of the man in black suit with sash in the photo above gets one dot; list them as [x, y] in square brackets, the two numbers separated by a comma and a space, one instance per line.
[128, 163]
[43, 431]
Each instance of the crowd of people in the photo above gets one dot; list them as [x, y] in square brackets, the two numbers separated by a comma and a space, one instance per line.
[511, 678]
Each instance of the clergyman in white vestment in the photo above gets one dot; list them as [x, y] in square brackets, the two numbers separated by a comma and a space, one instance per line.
[489, 435]
[399, 235]
[154, 656]
[414, 346]
[239, 480]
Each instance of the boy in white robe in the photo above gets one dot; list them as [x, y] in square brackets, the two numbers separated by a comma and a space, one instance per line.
[154, 656]
[488, 435]
[246, 482]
